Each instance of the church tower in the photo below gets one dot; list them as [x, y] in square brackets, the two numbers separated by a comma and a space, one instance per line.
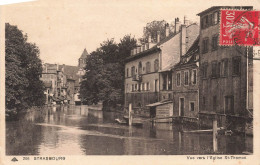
[83, 59]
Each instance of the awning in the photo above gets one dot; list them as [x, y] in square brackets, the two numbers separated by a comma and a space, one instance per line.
[158, 103]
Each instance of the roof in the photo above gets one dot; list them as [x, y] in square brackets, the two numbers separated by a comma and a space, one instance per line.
[224, 7]
[168, 68]
[141, 54]
[71, 72]
[84, 54]
[190, 56]
[155, 48]
[47, 84]
[158, 103]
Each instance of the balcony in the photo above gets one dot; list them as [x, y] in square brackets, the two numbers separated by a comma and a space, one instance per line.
[137, 78]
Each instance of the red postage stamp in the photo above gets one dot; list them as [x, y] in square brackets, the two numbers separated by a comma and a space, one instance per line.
[239, 28]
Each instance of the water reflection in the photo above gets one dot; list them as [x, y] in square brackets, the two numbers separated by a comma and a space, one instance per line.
[78, 130]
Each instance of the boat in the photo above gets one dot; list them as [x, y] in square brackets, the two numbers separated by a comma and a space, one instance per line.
[119, 121]
[135, 122]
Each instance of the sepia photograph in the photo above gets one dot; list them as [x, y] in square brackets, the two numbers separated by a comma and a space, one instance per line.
[129, 78]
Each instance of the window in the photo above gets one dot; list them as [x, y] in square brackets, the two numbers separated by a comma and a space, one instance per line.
[136, 87]
[178, 79]
[164, 77]
[192, 106]
[148, 67]
[139, 87]
[156, 65]
[194, 77]
[204, 101]
[214, 69]
[229, 104]
[148, 86]
[140, 68]
[205, 44]
[156, 84]
[186, 77]
[214, 103]
[214, 42]
[132, 71]
[210, 19]
[205, 21]
[236, 64]
[215, 18]
[170, 81]
[133, 87]
[127, 72]
[224, 68]
[204, 70]
[142, 86]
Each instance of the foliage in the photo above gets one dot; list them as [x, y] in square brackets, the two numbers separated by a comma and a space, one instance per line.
[104, 78]
[23, 69]
[152, 28]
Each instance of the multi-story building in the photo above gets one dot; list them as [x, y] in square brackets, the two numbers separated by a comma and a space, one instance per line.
[49, 75]
[224, 75]
[143, 81]
[185, 83]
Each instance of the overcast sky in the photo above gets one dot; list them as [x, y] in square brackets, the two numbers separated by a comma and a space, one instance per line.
[63, 28]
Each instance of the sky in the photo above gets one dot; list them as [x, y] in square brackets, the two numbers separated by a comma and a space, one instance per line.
[63, 28]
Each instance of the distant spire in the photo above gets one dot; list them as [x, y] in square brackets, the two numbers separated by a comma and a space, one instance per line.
[84, 53]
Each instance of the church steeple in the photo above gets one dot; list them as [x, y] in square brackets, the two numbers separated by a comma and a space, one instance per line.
[83, 59]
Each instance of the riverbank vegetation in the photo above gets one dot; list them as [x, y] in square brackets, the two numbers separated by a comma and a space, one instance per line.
[104, 78]
[23, 68]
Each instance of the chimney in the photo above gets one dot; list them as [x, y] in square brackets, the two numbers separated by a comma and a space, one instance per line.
[186, 21]
[183, 40]
[177, 25]
[167, 30]
[158, 36]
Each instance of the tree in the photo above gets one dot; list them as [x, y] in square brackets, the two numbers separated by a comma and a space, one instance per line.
[89, 88]
[152, 28]
[23, 69]
[104, 78]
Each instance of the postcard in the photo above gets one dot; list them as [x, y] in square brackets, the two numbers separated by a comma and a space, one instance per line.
[130, 82]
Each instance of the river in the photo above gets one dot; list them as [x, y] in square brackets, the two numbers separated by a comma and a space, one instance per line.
[78, 130]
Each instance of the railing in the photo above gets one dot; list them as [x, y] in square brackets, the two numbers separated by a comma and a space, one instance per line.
[137, 78]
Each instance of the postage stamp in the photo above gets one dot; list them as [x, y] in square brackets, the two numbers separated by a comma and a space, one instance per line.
[238, 27]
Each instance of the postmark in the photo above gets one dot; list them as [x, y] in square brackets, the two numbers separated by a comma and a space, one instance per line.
[239, 27]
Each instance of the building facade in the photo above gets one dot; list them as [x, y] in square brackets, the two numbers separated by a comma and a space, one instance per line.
[224, 74]
[185, 84]
[50, 76]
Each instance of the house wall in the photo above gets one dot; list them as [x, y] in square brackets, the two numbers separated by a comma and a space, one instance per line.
[188, 92]
[140, 98]
[70, 90]
[171, 50]
[164, 110]
[50, 77]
